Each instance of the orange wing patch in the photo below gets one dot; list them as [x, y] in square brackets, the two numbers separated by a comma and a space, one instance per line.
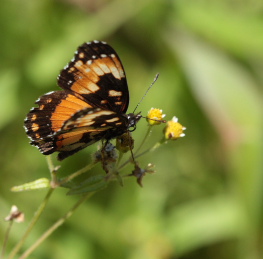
[86, 75]
[65, 110]
[118, 65]
[69, 138]
[54, 109]
[85, 81]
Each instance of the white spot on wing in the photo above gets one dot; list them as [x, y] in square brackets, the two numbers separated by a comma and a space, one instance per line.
[93, 87]
[51, 92]
[113, 119]
[115, 93]
[104, 67]
[81, 55]
[79, 63]
[115, 72]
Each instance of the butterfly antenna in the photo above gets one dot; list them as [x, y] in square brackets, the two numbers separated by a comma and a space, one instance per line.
[155, 79]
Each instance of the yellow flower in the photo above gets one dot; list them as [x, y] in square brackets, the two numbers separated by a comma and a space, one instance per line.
[174, 129]
[155, 116]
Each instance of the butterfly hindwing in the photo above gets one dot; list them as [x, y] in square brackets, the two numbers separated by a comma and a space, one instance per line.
[85, 128]
[95, 118]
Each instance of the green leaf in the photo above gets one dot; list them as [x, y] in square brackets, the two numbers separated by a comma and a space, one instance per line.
[35, 185]
[92, 184]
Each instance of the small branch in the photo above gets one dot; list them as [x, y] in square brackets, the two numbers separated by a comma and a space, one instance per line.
[55, 226]
[157, 145]
[6, 238]
[32, 224]
[79, 172]
[50, 164]
[144, 139]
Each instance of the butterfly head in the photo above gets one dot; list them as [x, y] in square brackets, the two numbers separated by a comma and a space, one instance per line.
[133, 119]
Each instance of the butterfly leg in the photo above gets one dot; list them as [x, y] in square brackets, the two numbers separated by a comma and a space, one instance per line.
[109, 158]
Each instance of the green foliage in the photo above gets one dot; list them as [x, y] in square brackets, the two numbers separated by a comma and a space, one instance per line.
[205, 199]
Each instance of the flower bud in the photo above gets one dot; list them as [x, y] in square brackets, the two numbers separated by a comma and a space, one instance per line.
[155, 116]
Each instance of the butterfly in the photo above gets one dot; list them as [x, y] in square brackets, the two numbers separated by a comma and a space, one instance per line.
[91, 107]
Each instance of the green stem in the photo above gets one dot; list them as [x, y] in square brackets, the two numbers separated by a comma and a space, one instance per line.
[55, 226]
[144, 139]
[32, 224]
[119, 158]
[6, 238]
[138, 149]
[157, 145]
[53, 172]
[76, 174]
[50, 164]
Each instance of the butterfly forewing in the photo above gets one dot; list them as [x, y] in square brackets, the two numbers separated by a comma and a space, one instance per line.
[96, 73]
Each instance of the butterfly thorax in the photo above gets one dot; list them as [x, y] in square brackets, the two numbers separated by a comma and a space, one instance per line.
[129, 122]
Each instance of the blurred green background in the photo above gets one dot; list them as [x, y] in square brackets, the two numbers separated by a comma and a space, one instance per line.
[205, 200]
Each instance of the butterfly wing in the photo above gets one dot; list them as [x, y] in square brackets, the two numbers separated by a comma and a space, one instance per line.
[65, 123]
[90, 108]
[46, 120]
[96, 73]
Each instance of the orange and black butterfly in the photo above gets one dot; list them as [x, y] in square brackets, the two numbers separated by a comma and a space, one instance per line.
[91, 107]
